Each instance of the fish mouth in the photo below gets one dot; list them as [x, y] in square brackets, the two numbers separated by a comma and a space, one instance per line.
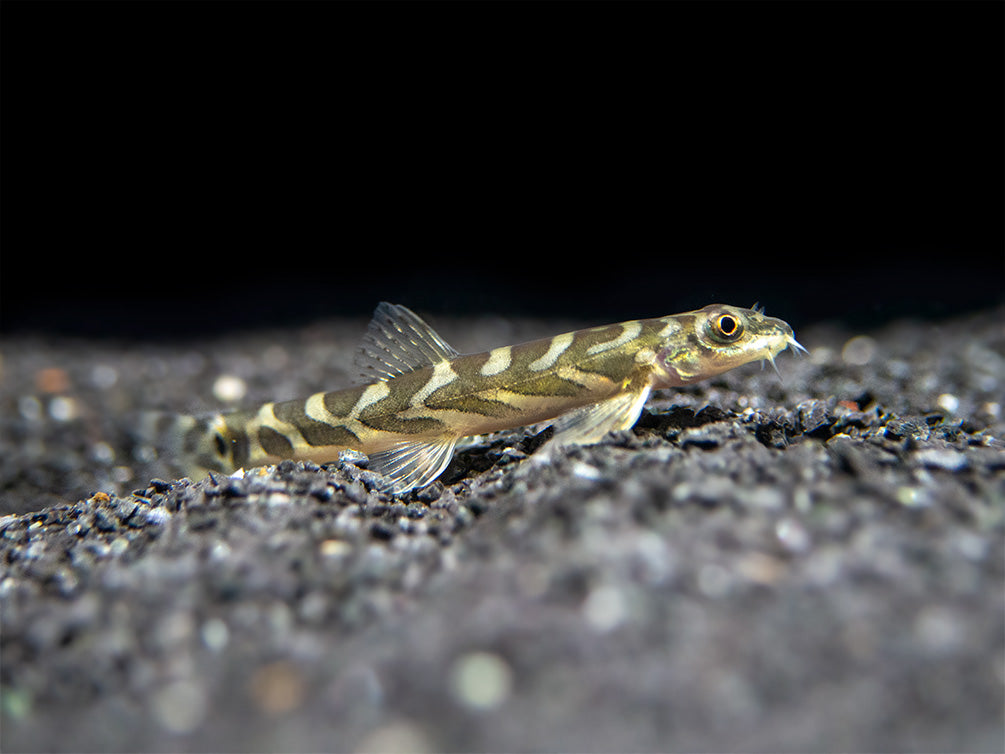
[783, 332]
[788, 341]
[796, 346]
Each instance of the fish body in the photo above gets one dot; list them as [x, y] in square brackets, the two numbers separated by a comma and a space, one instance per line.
[420, 396]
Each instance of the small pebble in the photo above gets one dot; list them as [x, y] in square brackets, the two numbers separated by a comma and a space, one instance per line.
[104, 522]
[62, 408]
[229, 388]
[353, 457]
[910, 497]
[160, 485]
[156, 516]
[859, 350]
[585, 471]
[761, 568]
[821, 355]
[104, 376]
[605, 608]
[103, 453]
[180, 706]
[481, 680]
[30, 408]
[941, 458]
[948, 402]
[815, 417]
[16, 703]
[792, 535]
[278, 687]
[119, 546]
[764, 497]
[397, 736]
[332, 548]
[215, 634]
[939, 629]
[714, 580]
[52, 380]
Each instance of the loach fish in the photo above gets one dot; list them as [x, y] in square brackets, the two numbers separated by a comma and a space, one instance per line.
[419, 396]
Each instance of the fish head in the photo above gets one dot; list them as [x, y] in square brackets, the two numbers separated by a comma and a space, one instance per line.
[718, 338]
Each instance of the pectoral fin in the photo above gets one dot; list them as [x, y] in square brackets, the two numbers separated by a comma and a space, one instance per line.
[589, 424]
[408, 465]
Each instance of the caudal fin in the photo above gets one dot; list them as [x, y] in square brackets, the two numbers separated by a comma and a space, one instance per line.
[179, 444]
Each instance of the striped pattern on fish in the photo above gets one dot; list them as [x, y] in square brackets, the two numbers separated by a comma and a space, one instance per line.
[420, 396]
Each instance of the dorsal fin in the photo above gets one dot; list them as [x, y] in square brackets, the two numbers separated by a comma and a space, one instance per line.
[398, 341]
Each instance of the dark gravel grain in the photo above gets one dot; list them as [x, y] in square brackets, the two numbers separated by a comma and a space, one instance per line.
[811, 564]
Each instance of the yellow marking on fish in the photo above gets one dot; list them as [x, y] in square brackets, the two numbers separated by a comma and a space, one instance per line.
[672, 326]
[498, 361]
[315, 409]
[629, 331]
[443, 374]
[378, 391]
[558, 345]
[423, 396]
[645, 356]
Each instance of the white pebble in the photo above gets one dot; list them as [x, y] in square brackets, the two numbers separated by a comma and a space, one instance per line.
[229, 388]
[180, 706]
[585, 471]
[220, 552]
[802, 500]
[215, 634]
[605, 608]
[764, 497]
[821, 355]
[948, 402]
[481, 680]
[158, 516]
[104, 376]
[859, 350]
[939, 629]
[103, 452]
[792, 535]
[332, 548]
[910, 497]
[942, 458]
[119, 546]
[654, 558]
[29, 407]
[398, 735]
[714, 580]
[63, 409]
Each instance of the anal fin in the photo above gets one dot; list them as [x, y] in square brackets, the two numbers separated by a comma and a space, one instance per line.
[589, 424]
[412, 464]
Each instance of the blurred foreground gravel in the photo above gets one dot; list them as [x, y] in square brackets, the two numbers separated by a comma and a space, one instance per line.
[809, 564]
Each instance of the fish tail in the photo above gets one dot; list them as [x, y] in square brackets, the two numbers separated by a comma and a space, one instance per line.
[184, 445]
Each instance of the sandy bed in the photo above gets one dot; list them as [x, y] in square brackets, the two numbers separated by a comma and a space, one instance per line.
[807, 564]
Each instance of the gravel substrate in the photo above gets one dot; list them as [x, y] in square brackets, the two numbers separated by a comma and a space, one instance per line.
[809, 564]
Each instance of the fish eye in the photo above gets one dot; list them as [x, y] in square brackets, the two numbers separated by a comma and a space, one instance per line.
[725, 327]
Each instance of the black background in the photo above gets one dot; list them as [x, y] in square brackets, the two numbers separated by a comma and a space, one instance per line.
[184, 169]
